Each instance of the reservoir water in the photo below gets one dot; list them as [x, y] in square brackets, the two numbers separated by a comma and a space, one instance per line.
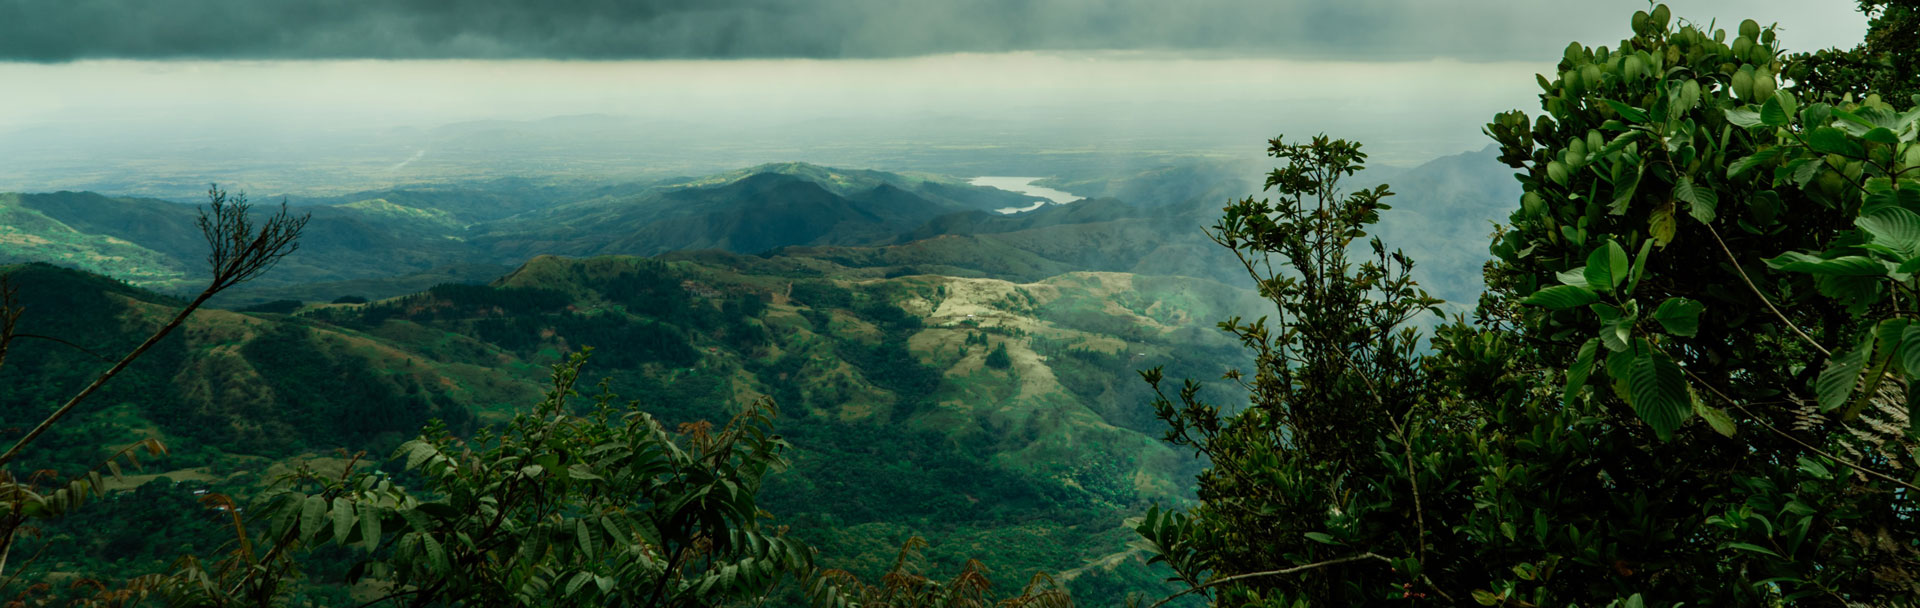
[1024, 185]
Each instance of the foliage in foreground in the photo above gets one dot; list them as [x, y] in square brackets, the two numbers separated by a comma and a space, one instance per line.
[1688, 382]
[561, 508]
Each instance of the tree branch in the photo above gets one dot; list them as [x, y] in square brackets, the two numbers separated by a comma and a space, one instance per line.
[1763, 297]
[1296, 569]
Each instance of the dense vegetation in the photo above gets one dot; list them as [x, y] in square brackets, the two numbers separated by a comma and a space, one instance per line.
[1687, 383]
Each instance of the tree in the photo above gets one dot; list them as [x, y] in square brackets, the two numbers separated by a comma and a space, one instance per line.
[1687, 383]
[1887, 62]
[998, 358]
[1334, 392]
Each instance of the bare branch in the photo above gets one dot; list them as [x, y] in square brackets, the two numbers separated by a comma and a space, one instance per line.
[238, 253]
[1296, 569]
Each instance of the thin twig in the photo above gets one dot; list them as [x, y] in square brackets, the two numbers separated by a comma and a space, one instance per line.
[1296, 569]
[1763, 297]
[65, 343]
[1413, 479]
[1796, 440]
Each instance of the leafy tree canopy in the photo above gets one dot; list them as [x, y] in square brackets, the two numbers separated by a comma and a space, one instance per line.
[1686, 384]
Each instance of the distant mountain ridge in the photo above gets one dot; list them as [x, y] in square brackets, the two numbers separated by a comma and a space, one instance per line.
[369, 243]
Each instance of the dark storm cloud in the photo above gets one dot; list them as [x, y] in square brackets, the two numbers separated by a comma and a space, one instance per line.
[65, 30]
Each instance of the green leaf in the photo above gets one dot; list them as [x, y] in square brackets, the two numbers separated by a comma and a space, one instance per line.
[1661, 225]
[1623, 190]
[1701, 202]
[1910, 350]
[313, 515]
[1582, 368]
[1846, 266]
[1685, 97]
[1639, 264]
[1659, 392]
[1786, 101]
[1836, 381]
[1746, 119]
[578, 581]
[343, 519]
[1679, 316]
[1606, 267]
[1322, 537]
[1894, 227]
[1576, 277]
[1828, 140]
[1747, 164]
[369, 528]
[1881, 135]
[1752, 548]
[436, 555]
[1771, 114]
[1561, 297]
[1630, 113]
[1717, 418]
[584, 535]
[1615, 334]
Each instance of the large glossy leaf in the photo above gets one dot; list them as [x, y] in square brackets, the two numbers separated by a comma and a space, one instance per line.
[1849, 265]
[1607, 267]
[1771, 114]
[1894, 227]
[1837, 380]
[1659, 391]
[1787, 103]
[1679, 316]
[1561, 296]
[1576, 277]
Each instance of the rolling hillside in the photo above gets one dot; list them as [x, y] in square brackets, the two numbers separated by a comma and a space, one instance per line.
[904, 421]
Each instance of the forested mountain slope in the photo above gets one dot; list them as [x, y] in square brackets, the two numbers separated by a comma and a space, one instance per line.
[973, 412]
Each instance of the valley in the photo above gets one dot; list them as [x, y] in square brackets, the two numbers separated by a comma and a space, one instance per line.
[944, 368]
[923, 304]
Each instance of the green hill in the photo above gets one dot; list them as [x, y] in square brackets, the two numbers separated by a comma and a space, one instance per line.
[901, 426]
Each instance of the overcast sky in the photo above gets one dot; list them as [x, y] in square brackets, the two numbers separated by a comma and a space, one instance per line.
[107, 81]
[1369, 30]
